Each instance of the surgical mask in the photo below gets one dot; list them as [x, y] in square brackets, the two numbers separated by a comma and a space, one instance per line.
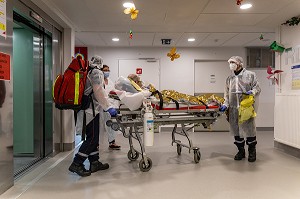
[233, 66]
[106, 74]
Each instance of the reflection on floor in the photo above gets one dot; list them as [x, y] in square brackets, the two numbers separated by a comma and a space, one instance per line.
[274, 175]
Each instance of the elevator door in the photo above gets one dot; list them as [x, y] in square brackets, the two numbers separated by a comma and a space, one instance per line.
[32, 105]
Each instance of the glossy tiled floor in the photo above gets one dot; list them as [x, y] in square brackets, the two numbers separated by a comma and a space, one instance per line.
[274, 175]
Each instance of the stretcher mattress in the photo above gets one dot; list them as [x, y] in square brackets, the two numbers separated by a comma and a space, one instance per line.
[172, 105]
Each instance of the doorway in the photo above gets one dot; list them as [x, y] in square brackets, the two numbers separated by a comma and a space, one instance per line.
[149, 70]
[32, 86]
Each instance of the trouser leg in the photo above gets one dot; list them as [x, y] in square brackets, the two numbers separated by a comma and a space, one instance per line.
[251, 142]
[89, 148]
[240, 143]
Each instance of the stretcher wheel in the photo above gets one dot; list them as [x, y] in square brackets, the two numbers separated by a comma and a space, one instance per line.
[143, 166]
[179, 148]
[109, 123]
[133, 155]
[115, 126]
[197, 156]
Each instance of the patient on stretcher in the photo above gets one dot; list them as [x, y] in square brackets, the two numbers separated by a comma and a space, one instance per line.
[131, 92]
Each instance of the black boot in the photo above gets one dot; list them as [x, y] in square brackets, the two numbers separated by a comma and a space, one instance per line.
[79, 169]
[241, 154]
[240, 143]
[252, 154]
[96, 166]
[251, 142]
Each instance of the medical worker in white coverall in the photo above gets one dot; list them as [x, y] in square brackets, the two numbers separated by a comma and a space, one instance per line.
[241, 81]
[89, 147]
[105, 116]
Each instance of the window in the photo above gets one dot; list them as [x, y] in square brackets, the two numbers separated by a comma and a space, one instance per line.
[260, 57]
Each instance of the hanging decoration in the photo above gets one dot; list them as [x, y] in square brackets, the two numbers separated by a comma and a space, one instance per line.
[239, 2]
[134, 12]
[261, 37]
[273, 74]
[276, 47]
[172, 54]
[130, 34]
[294, 21]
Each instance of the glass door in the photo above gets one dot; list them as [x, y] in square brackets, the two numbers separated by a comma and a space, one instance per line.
[32, 102]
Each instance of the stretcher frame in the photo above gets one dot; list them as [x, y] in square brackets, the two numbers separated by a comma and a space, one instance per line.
[129, 123]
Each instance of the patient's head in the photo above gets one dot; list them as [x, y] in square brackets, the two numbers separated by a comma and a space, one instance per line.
[136, 79]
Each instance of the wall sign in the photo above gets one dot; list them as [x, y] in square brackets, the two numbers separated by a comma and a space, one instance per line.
[296, 77]
[4, 66]
[3, 18]
[139, 71]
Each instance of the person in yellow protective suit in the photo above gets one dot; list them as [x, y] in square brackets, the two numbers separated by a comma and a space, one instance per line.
[241, 82]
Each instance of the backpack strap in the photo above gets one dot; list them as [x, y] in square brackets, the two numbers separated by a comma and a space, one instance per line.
[83, 133]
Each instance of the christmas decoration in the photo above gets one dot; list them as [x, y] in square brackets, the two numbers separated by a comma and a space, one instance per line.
[276, 47]
[172, 54]
[272, 74]
[134, 12]
[239, 2]
[130, 34]
[294, 21]
[261, 37]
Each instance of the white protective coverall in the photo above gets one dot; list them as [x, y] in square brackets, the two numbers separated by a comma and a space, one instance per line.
[235, 86]
[105, 116]
[95, 81]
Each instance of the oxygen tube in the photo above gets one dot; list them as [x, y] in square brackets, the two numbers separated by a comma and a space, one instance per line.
[148, 135]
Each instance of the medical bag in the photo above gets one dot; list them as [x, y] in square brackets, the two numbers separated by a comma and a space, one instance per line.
[68, 88]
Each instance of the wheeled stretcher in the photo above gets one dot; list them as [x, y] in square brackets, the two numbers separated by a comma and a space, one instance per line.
[132, 123]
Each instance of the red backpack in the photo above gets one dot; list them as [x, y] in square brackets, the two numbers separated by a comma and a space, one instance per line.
[68, 89]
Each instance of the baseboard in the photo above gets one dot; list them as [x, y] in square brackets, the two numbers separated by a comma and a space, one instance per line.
[68, 146]
[287, 149]
[265, 128]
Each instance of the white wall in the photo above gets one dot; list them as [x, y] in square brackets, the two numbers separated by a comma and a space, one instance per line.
[287, 101]
[68, 115]
[179, 74]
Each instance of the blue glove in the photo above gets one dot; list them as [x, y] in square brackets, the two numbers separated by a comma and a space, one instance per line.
[112, 111]
[223, 108]
[249, 93]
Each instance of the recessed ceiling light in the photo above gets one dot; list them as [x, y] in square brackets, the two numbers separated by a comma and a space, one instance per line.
[128, 5]
[246, 6]
[191, 39]
[115, 39]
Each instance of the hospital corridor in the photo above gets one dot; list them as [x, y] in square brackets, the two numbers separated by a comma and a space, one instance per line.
[120, 99]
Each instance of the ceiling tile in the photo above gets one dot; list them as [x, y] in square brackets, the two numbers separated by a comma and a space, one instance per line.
[268, 38]
[230, 19]
[216, 39]
[90, 38]
[182, 13]
[142, 39]
[107, 38]
[183, 42]
[241, 39]
[174, 36]
[259, 6]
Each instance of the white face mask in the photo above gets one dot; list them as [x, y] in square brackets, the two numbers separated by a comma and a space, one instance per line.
[233, 66]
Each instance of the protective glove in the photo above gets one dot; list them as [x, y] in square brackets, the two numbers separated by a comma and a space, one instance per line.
[249, 93]
[112, 111]
[223, 108]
